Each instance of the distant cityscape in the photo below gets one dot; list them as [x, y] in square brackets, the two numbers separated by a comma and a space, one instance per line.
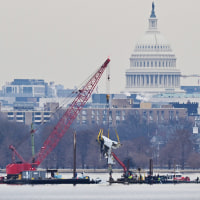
[34, 101]
[152, 90]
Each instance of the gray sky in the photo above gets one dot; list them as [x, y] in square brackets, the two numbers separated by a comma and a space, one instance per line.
[66, 40]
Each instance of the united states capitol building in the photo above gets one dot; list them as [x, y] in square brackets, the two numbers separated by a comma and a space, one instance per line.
[153, 63]
[153, 74]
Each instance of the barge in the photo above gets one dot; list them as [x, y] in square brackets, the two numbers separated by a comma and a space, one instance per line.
[152, 180]
[41, 177]
[50, 181]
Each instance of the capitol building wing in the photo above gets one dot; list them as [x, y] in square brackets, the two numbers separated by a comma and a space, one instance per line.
[152, 64]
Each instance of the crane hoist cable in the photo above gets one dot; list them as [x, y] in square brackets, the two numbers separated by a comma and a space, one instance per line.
[108, 97]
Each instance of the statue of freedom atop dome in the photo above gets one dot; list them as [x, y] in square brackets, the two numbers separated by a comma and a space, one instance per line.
[153, 15]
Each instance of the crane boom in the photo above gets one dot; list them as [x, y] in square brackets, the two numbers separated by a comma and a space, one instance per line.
[119, 161]
[71, 113]
[60, 129]
[16, 153]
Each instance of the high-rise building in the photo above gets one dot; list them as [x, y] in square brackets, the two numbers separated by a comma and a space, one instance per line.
[153, 64]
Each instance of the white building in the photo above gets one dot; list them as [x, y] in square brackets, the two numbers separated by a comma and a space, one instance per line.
[25, 88]
[153, 64]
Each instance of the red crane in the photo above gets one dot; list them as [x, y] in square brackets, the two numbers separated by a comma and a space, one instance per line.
[62, 126]
[120, 162]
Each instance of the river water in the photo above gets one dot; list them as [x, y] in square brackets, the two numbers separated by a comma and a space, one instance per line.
[102, 191]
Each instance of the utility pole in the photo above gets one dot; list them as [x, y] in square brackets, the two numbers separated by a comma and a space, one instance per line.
[74, 171]
[33, 143]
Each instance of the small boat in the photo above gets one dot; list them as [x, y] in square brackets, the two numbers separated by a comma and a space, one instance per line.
[177, 176]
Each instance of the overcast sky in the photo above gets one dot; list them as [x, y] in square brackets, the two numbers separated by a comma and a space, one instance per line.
[66, 40]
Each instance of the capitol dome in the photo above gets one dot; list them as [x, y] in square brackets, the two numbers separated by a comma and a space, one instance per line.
[153, 41]
[153, 63]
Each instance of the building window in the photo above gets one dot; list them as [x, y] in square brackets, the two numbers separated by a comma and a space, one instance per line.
[46, 118]
[27, 90]
[177, 115]
[144, 116]
[8, 90]
[19, 113]
[84, 112]
[171, 115]
[40, 90]
[118, 113]
[84, 122]
[105, 112]
[37, 118]
[151, 115]
[123, 115]
[84, 118]
[162, 115]
[157, 116]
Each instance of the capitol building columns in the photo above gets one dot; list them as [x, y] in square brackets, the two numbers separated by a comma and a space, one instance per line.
[152, 81]
[152, 63]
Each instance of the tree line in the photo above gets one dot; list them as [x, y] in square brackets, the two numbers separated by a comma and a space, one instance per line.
[167, 143]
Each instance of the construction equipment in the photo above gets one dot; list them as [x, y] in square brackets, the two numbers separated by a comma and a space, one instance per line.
[120, 162]
[62, 126]
[13, 169]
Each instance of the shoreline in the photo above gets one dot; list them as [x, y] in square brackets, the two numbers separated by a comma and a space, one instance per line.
[133, 170]
[156, 171]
